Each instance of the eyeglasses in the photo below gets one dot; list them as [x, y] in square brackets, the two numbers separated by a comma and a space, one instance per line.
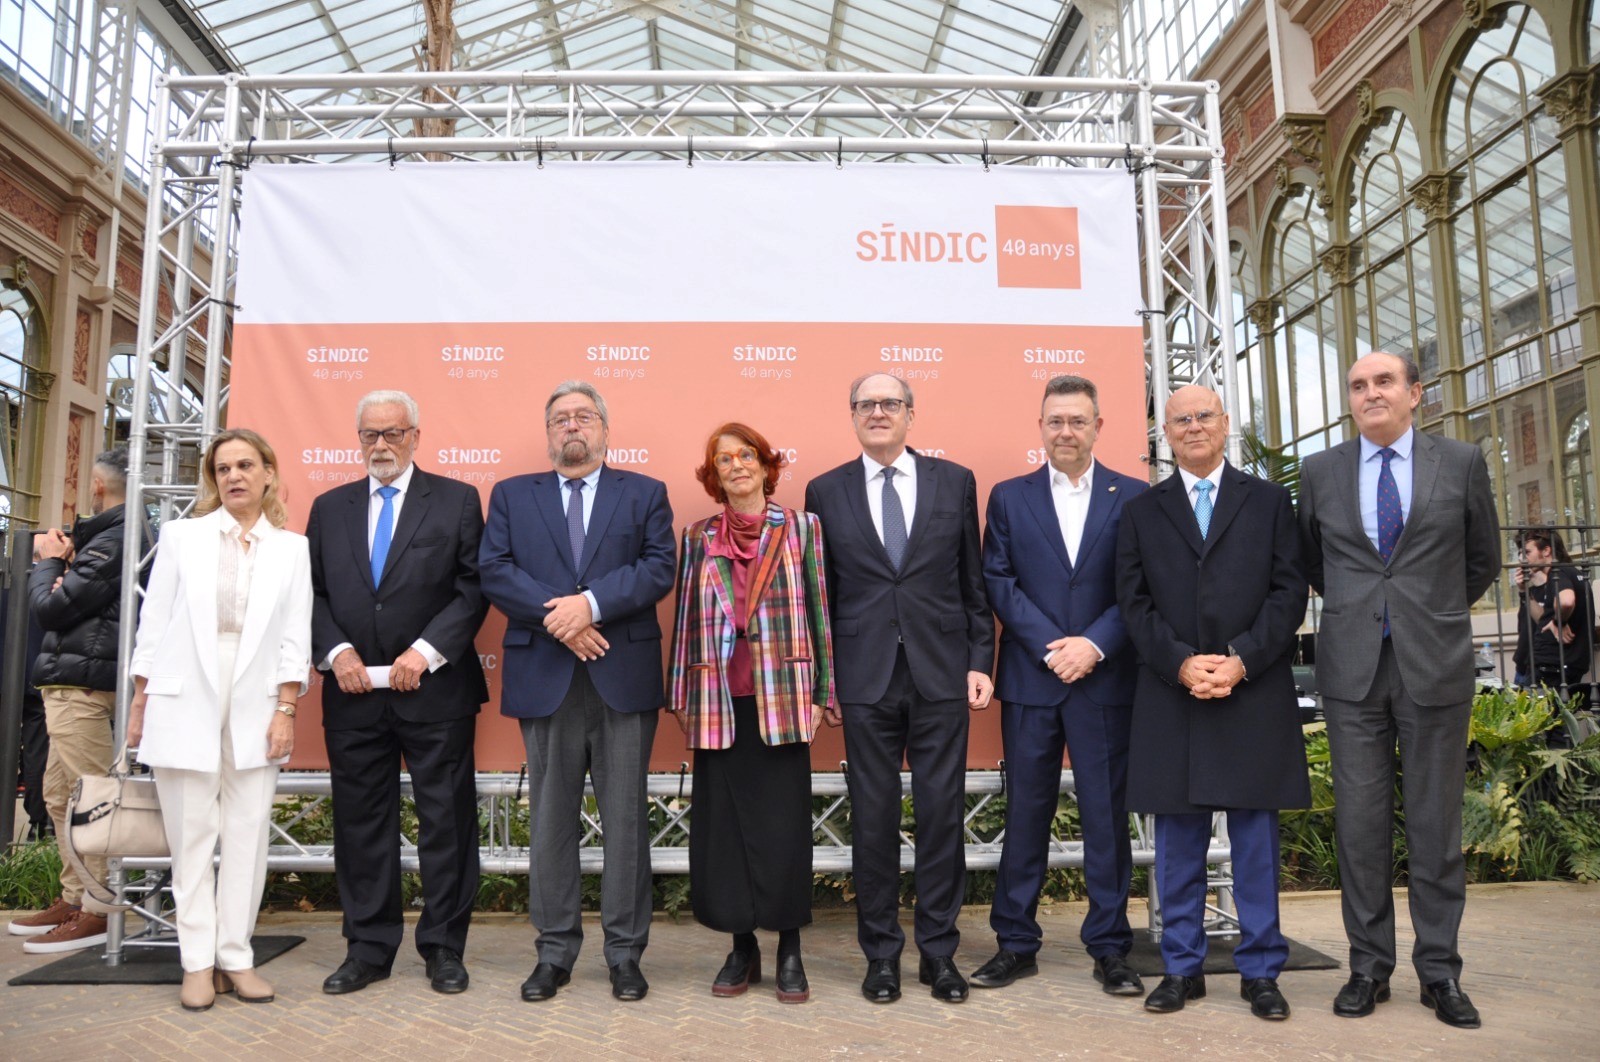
[1077, 424]
[1204, 418]
[392, 436]
[585, 419]
[890, 406]
[745, 456]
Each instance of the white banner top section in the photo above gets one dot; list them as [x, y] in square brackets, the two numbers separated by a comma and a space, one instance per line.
[865, 243]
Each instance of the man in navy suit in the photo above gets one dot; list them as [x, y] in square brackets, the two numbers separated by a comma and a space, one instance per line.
[394, 569]
[1065, 677]
[577, 559]
[913, 646]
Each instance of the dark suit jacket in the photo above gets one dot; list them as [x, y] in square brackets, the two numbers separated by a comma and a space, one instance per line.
[1241, 587]
[1039, 595]
[936, 602]
[628, 564]
[1447, 556]
[429, 590]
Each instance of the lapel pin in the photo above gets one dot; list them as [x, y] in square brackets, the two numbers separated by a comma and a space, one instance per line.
[1111, 490]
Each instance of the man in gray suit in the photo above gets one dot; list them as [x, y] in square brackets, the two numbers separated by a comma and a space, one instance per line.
[1399, 535]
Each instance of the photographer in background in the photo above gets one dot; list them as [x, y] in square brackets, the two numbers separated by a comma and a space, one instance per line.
[1555, 618]
[75, 593]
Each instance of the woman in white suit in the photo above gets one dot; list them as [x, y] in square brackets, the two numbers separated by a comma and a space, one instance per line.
[222, 656]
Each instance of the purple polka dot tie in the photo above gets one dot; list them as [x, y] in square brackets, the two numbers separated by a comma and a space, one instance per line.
[1390, 518]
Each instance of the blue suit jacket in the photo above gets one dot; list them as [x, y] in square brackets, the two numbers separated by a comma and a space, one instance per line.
[629, 559]
[1039, 595]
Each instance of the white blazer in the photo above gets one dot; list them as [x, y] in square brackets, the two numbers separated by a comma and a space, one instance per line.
[176, 647]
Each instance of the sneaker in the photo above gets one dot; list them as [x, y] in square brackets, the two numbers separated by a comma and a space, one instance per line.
[36, 924]
[82, 930]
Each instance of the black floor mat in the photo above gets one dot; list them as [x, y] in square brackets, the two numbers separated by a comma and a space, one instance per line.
[1145, 958]
[140, 965]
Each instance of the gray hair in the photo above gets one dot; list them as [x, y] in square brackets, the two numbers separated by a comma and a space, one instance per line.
[578, 387]
[1068, 384]
[905, 388]
[389, 398]
[113, 464]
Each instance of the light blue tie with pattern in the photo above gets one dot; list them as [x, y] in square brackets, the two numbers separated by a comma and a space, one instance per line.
[1202, 506]
[384, 534]
[894, 521]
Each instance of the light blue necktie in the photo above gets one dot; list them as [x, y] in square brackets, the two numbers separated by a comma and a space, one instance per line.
[894, 521]
[384, 533]
[1202, 507]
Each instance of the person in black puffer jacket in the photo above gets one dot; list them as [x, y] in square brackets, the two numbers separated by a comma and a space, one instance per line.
[75, 591]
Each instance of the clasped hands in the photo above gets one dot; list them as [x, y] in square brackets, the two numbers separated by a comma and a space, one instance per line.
[405, 674]
[571, 623]
[1208, 675]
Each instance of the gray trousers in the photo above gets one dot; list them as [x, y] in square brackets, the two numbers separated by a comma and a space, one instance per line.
[585, 736]
[1432, 739]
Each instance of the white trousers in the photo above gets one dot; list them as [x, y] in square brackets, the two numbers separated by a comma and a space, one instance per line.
[218, 900]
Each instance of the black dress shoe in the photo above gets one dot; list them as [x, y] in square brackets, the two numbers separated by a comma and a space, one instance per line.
[792, 984]
[1173, 992]
[446, 971]
[353, 976]
[543, 982]
[742, 970]
[940, 972]
[882, 983]
[1117, 977]
[1451, 1004]
[1265, 999]
[1359, 996]
[1004, 968]
[627, 982]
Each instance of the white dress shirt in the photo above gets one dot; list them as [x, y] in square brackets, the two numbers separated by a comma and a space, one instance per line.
[905, 485]
[236, 563]
[1401, 468]
[1072, 512]
[402, 483]
[1190, 479]
[591, 484]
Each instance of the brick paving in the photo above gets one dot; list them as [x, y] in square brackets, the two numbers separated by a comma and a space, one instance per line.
[1530, 951]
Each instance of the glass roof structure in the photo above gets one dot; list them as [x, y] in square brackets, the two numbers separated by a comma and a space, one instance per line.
[982, 37]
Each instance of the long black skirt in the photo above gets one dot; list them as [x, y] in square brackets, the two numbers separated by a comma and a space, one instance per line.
[750, 831]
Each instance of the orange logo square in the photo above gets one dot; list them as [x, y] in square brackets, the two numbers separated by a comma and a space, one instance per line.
[1037, 247]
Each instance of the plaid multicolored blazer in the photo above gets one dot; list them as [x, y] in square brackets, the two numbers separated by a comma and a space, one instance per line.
[791, 649]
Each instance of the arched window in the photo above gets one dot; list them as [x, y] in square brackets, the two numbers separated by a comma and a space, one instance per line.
[1515, 268]
[1395, 307]
[1305, 357]
[22, 356]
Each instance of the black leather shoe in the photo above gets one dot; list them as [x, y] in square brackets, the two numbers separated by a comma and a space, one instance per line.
[543, 982]
[1173, 992]
[940, 972]
[1359, 996]
[446, 971]
[1004, 968]
[1265, 999]
[742, 970]
[1117, 977]
[882, 983]
[353, 976]
[627, 982]
[792, 984]
[1451, 1004]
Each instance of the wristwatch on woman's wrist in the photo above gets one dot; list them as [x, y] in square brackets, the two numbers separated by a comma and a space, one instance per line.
[286, 708]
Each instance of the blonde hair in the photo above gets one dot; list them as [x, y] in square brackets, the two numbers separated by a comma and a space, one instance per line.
[211, 497]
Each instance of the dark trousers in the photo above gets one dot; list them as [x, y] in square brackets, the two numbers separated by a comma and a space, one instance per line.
[35, 753]
[365, 766]
[1181, 845]
[584, 736]
[1362, 737]
[932, 736]
[1097, 738]
[750, 831]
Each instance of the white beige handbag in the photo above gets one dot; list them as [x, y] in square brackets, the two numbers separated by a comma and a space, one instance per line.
[112, 815]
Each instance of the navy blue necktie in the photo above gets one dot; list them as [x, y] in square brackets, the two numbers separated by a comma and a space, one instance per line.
[894, 520]
[1391, 520]
[383, 534]
[575, 521]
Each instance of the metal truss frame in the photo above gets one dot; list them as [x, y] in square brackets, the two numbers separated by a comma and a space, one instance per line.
[211, 129]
